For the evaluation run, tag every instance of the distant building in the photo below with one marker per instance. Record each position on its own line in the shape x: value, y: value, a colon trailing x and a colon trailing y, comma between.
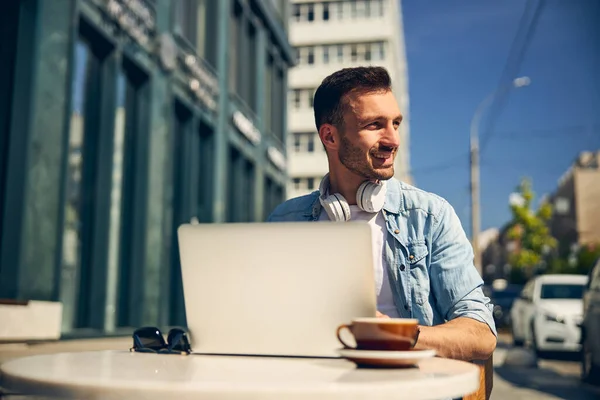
x: 119, y: 121
x: 576, y: 201
x: 328, y: 36
x: 496, y: 253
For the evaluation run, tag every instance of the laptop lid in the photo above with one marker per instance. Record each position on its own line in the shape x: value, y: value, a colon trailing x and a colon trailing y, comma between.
x: 275, y: 288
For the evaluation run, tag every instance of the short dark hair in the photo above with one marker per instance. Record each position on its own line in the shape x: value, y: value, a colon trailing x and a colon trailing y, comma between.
x: 328, y: 103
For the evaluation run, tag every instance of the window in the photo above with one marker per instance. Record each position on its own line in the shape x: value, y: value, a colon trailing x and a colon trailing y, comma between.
x: 311, y: 143
x: 360, y: 8
x: 78, y: 174
x: 380, y: 49
x: 195, y: 21
x: 310, y: 183
x: 368, y: 52
x: 354, y: 9
x: 234, y: 47
x: 277, y: 105
x: 240, y: 207
x: 367, y: 8
x: 249, y: 67
x: 310, y: 56
x: 243, y: 57
x: 561, y: 291
x: 296, y: 12
x: 311, y: 98
x: 340, y: 53
x: 311, y: 12
x: 378, y: 8
x: 353, y: 52
x: 128, y: 137
x: 325, y: 11
x: 272, y: 196
x: 205, y: 173
x: 304, y: 142
x: 103, y: 183
x: 186, y: 20
x: 339, y: 10
x: 297, y: 98
x: 325, y: 54
x: 268, y: 93
x: 296, y: 183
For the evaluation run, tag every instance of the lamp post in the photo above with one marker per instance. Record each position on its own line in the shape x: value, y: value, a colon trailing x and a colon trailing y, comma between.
x: 474, y: 151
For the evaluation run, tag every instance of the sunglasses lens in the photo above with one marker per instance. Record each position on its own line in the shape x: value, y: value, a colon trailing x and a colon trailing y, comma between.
x: 178, y: 340
x: 148, y: 337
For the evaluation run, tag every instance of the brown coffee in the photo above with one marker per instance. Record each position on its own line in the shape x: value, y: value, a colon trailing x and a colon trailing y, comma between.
x: 382, y: 333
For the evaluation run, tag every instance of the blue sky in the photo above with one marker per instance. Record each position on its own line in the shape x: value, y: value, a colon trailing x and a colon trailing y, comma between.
x: 456, y: 52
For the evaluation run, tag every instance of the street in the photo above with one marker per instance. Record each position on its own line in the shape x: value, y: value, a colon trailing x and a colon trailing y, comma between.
x: 556, y: 376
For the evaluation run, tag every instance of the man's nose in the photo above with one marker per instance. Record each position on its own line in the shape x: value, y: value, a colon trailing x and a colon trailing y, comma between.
x: 391, y: 137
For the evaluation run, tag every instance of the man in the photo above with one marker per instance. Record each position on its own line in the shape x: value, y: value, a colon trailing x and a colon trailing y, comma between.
x: 423, y: 259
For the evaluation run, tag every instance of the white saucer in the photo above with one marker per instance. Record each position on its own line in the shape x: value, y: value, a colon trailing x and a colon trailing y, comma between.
x: 387, y: 358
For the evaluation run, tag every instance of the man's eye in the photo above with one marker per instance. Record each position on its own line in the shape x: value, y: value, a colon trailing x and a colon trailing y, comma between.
x: 373, y: 125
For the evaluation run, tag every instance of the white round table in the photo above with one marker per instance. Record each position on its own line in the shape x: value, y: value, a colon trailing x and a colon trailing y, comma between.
x: 121, y: 374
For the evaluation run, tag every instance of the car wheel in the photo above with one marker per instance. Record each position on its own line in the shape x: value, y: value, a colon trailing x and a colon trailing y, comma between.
x: 590, y: 371
x: 516, y: 340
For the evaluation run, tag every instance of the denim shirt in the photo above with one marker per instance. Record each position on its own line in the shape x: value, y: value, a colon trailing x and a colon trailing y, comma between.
x: 429, y: 258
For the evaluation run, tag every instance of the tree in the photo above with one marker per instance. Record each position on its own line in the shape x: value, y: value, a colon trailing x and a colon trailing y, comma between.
x: 530, y: 233
x: 586, y: 257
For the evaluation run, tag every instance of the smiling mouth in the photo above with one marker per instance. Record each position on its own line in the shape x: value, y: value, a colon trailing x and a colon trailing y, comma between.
x: 382, y: 156
x: 383, y: 153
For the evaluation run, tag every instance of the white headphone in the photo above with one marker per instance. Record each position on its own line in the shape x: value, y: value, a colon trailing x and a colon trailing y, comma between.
x: 370, y: 197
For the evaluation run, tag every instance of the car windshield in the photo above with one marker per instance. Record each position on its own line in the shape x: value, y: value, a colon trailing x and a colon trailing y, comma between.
x: 561, y: 291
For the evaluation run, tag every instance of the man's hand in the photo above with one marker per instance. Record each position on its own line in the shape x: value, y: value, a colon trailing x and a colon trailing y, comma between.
x: 380, y: 315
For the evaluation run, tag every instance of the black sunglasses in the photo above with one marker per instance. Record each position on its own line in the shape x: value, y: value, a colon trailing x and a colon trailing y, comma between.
x: 150, y: 340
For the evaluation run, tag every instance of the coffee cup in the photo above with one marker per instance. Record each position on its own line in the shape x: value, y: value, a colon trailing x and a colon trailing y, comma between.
x: 396, y: 334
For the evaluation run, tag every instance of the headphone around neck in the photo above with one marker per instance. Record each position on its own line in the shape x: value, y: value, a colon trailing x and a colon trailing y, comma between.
x: 370, y: 197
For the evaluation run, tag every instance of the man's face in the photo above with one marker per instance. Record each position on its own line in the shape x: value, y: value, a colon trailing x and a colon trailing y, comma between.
x: 369, y: 139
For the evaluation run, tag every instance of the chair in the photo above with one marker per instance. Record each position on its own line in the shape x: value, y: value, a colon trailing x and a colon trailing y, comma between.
x: 486, y: 380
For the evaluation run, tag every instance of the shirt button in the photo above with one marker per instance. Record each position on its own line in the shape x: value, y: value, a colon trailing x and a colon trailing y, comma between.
x: 402, y: 267
x: 411, y: 257
x: 397, y: 231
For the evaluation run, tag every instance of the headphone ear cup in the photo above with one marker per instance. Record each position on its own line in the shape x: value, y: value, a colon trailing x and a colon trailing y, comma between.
x: 370, y: 196
x: 336, y: 207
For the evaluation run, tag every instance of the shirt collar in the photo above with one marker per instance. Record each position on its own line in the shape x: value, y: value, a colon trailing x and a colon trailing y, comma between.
x: 393, y: 201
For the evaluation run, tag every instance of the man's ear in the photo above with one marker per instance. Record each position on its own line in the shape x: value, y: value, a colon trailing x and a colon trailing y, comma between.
x: 329, y: 136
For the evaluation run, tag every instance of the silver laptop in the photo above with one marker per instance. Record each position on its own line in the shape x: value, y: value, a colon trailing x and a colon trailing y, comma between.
x: 275, y: 288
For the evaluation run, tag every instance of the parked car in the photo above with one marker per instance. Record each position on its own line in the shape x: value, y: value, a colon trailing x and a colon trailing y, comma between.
x: 503, y: 299
x: 548, y: 313
x: 590, y: 328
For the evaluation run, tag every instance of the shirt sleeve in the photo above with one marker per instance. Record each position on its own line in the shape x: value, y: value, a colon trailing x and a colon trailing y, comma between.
x: 456, y: 284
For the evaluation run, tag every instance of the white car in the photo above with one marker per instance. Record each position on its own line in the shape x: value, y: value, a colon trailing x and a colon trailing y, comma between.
x: 548, y: 314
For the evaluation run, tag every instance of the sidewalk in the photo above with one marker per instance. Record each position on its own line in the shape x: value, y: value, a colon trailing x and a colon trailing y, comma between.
x: 11, y: 351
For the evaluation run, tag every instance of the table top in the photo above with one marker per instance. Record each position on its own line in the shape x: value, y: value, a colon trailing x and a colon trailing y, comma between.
x: 121, y: 374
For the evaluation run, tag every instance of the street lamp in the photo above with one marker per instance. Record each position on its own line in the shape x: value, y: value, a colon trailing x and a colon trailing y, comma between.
x: 474, y: 150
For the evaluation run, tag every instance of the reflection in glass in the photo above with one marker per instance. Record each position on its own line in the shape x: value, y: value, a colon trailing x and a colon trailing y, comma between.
x: 115, y: 198
x: 72, y: 232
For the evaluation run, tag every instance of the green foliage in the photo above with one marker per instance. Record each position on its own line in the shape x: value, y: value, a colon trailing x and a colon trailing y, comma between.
x: 529, y: 229
x: 586, y: 257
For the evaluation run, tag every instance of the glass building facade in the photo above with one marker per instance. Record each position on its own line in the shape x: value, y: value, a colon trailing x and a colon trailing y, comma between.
x: 120, y: 120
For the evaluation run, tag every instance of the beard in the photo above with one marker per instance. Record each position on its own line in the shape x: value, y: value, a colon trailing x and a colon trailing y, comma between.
x: 355, y: 160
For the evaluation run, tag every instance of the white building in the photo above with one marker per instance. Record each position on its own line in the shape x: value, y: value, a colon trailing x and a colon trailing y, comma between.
x: 330, y: 35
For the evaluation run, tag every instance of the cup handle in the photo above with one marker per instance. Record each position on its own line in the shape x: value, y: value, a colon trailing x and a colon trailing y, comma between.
x: 339, y: 329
